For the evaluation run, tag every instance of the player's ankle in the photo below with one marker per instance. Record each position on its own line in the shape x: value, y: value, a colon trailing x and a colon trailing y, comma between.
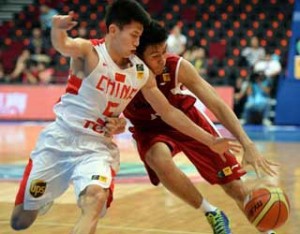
x: 206, y: 206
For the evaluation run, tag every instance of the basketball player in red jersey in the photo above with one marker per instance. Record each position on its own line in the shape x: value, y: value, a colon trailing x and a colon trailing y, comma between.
x: 76, y: 147
x: 157, y: 141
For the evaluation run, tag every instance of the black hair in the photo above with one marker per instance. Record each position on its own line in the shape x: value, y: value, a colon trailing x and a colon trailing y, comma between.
x: 153, y: 34
x: 123, y: 12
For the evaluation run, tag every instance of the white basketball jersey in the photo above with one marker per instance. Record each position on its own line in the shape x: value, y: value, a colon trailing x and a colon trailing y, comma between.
x: 103, y: 93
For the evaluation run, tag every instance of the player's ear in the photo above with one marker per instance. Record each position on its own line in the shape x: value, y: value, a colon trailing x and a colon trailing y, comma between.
x: 112, y: 28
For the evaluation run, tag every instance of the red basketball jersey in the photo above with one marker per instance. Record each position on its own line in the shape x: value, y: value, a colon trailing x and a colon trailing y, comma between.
x: 139, y: 110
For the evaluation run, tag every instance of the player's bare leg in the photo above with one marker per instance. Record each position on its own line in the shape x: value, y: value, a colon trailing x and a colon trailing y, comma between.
x: 160, y: 160
x: 91, y: 202
x: 238, y: 191
x: 22, y: 219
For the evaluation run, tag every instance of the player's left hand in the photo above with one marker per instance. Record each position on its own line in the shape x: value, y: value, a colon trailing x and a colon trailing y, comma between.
x: 257, y: 161
x: 114, y: 125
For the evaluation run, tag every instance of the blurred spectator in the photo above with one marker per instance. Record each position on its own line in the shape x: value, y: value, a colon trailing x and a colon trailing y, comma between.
x: 82, y: 32
x: 31, y: 69
x: 45, y: 74
x: 37, y: 73
x: 188, y: 54
x: 298, y: 47
x: 16, y: 75
x: 37, y: 42
x: 256, y: 110
x: 30, y: 74
x: 253, y: 53
x: 46, y: 17
x: 270, y: 66
x: 176, y: 41
x: 200, y: 62
x: 2, y: 74
x: 240, y: 95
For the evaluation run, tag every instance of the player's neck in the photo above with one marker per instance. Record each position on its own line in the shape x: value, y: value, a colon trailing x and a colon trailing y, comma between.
x: 121, y: 62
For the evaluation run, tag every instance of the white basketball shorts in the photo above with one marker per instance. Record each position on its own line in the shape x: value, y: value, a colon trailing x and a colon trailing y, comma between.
x: 61, y: 157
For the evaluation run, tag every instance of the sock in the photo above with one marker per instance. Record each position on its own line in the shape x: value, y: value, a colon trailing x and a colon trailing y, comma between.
x: 206, y: 206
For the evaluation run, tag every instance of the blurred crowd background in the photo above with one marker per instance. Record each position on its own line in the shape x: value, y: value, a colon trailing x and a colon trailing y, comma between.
x: 237, y: 43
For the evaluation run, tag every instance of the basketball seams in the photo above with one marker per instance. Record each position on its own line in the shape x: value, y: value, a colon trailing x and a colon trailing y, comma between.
x: 279, y: 209
x: 266, y: 192
x: 265, y: 208
x: 266, y: 213
x: 276, y: 203
x: 272, y: 208
x: 285, y: 200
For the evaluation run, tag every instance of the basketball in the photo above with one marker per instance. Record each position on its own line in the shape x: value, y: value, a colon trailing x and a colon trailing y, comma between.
x: 267, y: 208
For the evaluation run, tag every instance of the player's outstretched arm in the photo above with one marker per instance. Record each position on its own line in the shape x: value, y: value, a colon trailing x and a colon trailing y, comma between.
x: 67, y: 46
x: 181, y: 122
x: 189, y: 77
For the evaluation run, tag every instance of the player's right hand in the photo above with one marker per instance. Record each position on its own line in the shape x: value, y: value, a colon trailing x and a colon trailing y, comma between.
x: 254, y: 158
x: 64, y: 22
x: 225, y: 145
x: 114, y: 125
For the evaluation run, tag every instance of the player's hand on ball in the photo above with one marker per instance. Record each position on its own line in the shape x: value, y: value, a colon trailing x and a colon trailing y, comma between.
x: 223, y: 145
x: 114, y: 125
x: 257, y: 161
x: 65, y: 22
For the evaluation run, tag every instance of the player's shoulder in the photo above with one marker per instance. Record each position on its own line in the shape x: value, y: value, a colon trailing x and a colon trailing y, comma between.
x: 97, y: 42
x: 173, y: 59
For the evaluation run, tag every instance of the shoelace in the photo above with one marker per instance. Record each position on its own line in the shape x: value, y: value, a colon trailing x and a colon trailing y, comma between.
x: 217, y: 223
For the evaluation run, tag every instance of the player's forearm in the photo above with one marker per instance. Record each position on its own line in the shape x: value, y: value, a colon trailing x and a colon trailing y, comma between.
x: 182, y: 123
x: 229, y: 120
x: 60, y: 40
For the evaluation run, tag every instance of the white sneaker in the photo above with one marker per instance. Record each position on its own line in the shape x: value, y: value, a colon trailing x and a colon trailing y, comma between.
x: 269, y: 232
x: 45, y: 208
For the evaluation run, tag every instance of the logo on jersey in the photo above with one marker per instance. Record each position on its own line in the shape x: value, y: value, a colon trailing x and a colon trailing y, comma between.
x: 154, y: 116
x: 140, y: 71
x: 165, y: 77
x: 100, y: 178
x: 225, y: 172
x: 37, y: 188
x: 120, y: 77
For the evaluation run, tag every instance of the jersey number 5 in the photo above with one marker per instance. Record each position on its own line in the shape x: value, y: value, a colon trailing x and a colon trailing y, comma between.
x: 110, y: 108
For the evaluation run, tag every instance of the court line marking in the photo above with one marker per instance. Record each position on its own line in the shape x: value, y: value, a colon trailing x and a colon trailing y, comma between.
x: 115, y: 228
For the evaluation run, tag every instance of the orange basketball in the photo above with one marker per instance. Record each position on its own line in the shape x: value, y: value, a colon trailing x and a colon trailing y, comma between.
x: 267, y: 208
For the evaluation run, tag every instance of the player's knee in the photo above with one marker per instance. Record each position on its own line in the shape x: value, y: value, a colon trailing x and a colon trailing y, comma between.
x: 157, y: 160
x: 93, y: 200
x: 161, y: 165
x: 151, y: 160
x: 158, y: 155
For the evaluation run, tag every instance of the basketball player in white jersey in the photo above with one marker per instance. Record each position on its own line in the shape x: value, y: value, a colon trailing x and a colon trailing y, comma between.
x: 104, y: 76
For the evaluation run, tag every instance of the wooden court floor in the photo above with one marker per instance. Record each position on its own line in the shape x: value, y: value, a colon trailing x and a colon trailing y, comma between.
x: 139, y: 207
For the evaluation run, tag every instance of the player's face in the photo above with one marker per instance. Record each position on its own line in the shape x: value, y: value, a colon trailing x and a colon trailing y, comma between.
x: 155, y: 57
x: 127, y: 39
